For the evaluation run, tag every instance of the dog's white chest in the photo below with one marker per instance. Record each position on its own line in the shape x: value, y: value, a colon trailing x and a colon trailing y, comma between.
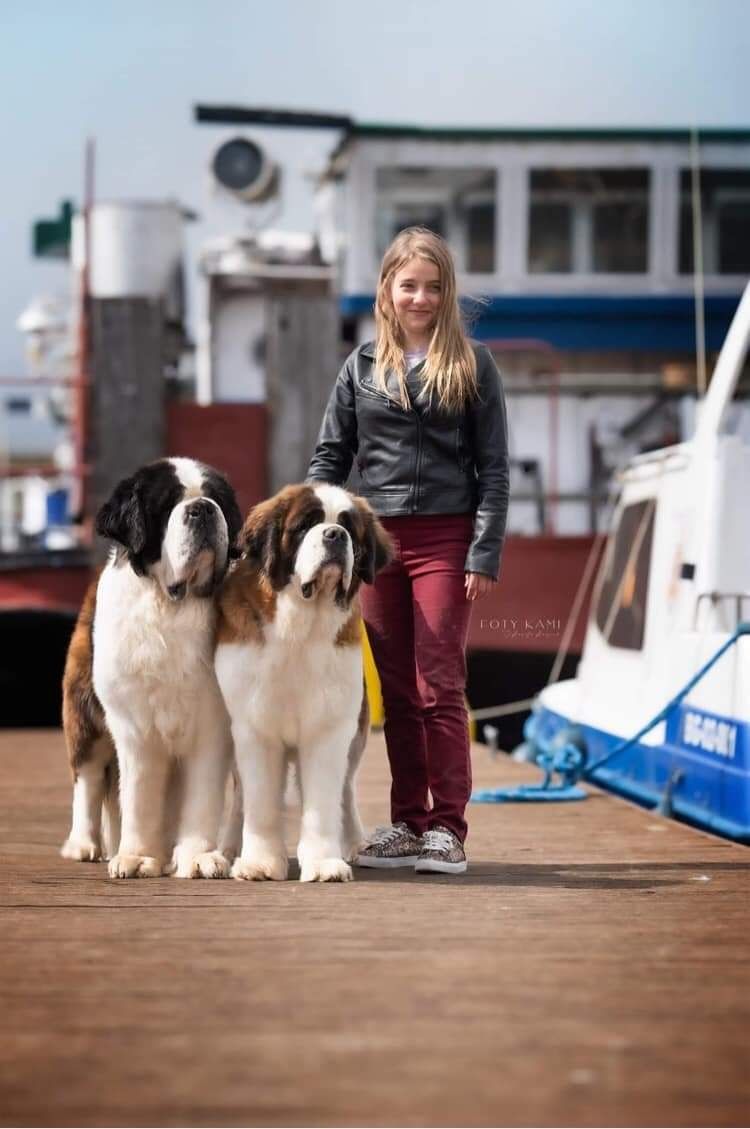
x: 294, y: 683
x: 150, y: 657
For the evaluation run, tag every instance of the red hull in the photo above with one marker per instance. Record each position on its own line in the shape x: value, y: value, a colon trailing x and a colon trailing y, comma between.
x: 527, y: 611
x: 530, y: 606
x: 44, y: 585
x: 231, y: 437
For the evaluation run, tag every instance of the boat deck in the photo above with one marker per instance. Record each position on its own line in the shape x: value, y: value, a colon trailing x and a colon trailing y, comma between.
x: 590, y: 969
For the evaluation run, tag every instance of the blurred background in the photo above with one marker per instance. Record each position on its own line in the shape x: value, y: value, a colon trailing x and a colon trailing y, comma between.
x: 195, y: 200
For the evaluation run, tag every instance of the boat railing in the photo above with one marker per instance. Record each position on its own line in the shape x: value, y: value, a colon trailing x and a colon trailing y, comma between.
x: 718, y: 599
x: 658, y: 462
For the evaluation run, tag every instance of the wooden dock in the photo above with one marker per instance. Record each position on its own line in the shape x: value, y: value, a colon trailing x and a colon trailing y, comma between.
x: 590, y: 969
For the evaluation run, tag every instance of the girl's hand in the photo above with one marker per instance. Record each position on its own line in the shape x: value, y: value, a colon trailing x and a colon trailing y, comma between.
x: 478, y: 585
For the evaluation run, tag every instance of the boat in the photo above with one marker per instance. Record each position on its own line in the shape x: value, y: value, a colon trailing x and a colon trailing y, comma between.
x: 659, y: 708
x: 579, y: 246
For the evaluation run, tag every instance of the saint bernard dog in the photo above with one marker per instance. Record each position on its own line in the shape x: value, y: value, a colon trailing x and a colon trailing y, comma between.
x: 289, y: 664
x: 139, y: 679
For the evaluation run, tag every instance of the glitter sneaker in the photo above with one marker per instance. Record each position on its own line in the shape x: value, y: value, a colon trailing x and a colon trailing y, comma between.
x: 389, y: 847
x: 441, y: 852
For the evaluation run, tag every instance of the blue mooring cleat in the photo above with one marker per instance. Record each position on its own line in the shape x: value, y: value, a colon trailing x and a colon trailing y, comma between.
x: 565, y: 756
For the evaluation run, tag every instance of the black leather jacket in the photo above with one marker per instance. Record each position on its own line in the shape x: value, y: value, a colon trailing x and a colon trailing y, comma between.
x: 424, y: 460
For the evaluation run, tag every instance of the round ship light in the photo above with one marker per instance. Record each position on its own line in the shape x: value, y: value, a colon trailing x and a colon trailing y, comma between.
x: 242, y: 167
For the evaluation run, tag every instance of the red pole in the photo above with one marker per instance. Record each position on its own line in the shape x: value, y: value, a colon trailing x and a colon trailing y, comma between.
x: 554, y: 435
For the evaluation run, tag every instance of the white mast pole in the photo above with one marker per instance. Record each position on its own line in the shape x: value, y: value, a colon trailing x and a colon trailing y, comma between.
x: 713, y: 407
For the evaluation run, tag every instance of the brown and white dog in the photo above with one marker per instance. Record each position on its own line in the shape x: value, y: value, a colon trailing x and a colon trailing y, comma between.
x: 140, y: 680
x: 289, y: 664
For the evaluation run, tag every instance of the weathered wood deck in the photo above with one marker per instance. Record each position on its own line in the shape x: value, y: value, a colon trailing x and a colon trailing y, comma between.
x: 590, y: 969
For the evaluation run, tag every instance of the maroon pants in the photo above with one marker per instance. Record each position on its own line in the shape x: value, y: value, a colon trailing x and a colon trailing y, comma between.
x: 417, y: 618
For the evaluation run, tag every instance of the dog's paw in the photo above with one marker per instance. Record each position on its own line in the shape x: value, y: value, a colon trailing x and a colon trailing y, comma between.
x: 205, y: 864
x: 135, y: 866
x: 325, y: 870
x: 260, y: 867
x: 82, y: 850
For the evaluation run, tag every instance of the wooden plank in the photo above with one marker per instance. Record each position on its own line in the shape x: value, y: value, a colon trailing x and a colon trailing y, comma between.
x: 302, y: 361
x: 590, y: 969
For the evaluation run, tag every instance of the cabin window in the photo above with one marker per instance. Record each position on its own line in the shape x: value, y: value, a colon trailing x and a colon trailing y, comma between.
x: 457, y: 203
x: 400, y: 214
x: 725, y: 211
x: 550, y: 237
x: 623, y: 592
x: 620, y: 237
x: 588, y: 221
x: 480, y: 236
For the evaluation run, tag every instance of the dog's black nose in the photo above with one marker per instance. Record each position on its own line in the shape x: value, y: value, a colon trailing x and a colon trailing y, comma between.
x: 199, y: 511
x: 335, y: 534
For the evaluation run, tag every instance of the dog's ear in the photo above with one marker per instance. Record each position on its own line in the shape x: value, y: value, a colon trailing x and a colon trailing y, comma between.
x: 376, y: 549
x: 234, y: 526
x: 260, y: 540
x: 122, y: 518
x: 220, y: 490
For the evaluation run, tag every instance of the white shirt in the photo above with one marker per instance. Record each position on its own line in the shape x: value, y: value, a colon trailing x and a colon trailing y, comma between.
x: 414, y: 358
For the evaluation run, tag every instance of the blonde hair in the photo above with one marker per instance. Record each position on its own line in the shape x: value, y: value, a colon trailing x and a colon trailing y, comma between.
x: 450, y: 368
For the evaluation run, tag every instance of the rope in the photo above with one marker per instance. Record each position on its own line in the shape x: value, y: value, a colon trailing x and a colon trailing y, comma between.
x: 575, y: 611
x: 509, y: 708
x: 742, y: 629
x: 501, y: 711
x: 568, y: 761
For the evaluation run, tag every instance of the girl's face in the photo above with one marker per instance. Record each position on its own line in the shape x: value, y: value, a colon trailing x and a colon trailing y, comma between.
x: 416, y: 295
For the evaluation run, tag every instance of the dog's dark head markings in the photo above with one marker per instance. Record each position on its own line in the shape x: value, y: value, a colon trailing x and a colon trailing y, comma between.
x: 177, y: 521
x: 317, y: 538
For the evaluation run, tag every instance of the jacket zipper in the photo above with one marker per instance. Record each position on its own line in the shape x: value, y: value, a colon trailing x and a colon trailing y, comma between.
x: 418, y: 467
x: 417, y: 474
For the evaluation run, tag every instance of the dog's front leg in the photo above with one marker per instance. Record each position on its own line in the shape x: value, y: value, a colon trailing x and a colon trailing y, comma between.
x: 323, y: 761
x: 205, y: 770
x: 144, y: 768
x: 262, y: 764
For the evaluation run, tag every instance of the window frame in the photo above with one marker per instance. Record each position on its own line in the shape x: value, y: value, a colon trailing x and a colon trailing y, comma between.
x: 451, y: 201
x: 626, y: 629
x: 582, y: 205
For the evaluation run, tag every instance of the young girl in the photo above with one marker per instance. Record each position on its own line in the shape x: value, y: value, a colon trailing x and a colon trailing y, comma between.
x: 422, y: 409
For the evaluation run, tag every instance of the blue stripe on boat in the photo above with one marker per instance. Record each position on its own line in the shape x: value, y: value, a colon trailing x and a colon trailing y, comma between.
x: 634, y: 322
x: 714, y: 791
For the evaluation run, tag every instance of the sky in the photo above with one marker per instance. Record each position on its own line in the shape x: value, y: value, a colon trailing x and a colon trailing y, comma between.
x: 129, y: 73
